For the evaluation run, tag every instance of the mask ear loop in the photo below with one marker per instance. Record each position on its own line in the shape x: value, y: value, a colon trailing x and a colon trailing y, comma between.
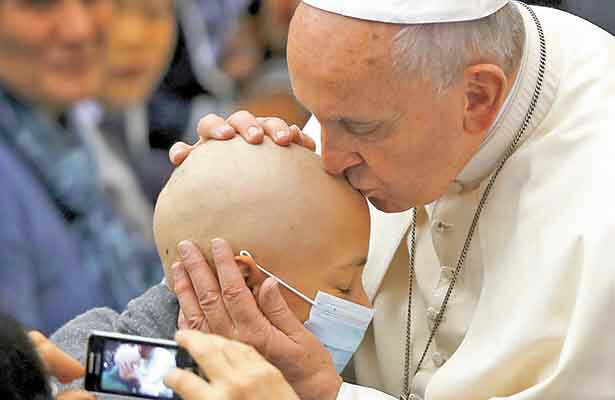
x: 246, y: 253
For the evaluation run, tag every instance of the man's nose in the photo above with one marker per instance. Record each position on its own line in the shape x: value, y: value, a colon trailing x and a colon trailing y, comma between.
x: 337, y: 155
x: 76, y: 22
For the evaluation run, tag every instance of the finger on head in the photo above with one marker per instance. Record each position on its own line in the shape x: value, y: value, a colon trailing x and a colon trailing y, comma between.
x: 206, y: 350
x: 303, y: 139
x: 75, y: 395
x: 246, y: 124
x: 237, y: 297
x: 308, y: 142
x: 188, y: 385
x: 277, y: 130
x: 191, y: 257
x: 179, y: 152
x: 200, y: 325
x: 213, y: 126
x: 205, y: 292
x: 186, y: 296
x: 182, y: 322
x: 295, y: 135
x: 276, y: 310
x: 199, y: 272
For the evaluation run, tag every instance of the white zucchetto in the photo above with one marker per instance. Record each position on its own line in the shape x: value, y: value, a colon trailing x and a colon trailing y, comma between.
x: 411, y: 11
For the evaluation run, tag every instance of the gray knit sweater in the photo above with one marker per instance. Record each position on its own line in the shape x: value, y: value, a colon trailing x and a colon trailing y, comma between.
x: 153, y: 314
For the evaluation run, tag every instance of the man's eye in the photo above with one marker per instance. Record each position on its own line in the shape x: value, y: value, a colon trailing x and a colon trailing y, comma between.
x: 345, y: 291
x: 361, y: 130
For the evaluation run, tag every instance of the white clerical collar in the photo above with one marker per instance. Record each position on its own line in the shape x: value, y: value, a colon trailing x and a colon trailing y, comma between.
x: 514, y: 110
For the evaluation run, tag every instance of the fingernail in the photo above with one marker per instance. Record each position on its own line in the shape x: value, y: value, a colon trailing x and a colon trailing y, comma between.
x: 282, y: 135
x: 173, y: 153
x: 184, y: 248
x: 253, y: 131
x: 273, y: 292
x: 222, y: 130
x: 217, y: 244
x: 175, y: 269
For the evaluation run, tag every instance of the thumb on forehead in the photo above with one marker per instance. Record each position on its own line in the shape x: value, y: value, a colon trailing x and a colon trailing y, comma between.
x: 275, y: 308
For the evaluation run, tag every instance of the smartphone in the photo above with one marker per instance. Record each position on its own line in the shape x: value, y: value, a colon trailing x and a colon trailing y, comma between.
x: 128, y: 367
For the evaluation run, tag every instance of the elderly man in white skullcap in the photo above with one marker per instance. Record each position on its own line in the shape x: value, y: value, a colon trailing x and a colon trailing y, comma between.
x: 482, y: 132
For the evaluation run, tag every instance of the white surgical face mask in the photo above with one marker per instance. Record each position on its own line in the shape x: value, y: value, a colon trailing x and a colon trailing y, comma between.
x: 339, y: 324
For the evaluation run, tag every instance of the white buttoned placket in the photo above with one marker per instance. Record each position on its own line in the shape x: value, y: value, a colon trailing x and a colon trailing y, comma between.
x: 452, y: 216
x: 448, y: 224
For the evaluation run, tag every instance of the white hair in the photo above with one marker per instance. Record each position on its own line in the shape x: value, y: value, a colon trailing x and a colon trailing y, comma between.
x: 441, y: 52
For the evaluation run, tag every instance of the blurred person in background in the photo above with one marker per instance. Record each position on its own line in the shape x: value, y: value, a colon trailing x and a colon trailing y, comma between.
x: 142, y: 36
x: 63, y: 247
x: 243, y: 52
x: 270, y: 93
x: 194, y: 85
x: 223, y: 49
x: 254, y: 57
x: 276, y: 16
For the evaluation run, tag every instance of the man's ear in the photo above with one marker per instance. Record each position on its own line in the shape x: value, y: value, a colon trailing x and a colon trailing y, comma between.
x: 253, y: 276
x: 485, y: 90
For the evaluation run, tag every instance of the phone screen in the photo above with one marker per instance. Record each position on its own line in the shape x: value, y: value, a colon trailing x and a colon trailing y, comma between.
x: 136, y: 368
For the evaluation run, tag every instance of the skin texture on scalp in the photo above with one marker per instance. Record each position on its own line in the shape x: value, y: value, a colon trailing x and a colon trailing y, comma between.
x: 305, y: 226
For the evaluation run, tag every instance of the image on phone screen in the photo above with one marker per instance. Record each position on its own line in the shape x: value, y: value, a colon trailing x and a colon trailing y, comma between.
x: 136, y: 369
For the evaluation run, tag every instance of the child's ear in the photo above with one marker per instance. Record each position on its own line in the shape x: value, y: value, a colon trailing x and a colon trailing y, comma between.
x: 253, y: 276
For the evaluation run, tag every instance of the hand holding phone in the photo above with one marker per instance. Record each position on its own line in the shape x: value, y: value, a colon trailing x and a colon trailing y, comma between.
x: 236, y: 370
x: 59, y: 365
x: 126, y: 366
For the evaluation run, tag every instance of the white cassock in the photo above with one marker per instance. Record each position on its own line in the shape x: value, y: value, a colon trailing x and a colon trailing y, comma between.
x: 532, y: 314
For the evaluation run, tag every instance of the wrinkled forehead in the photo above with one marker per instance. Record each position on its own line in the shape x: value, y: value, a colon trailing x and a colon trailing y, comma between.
x: 334, y: 37
x: 335, y: 60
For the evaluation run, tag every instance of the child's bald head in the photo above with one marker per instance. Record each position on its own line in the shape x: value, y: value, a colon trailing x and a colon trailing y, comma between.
x: 307, y: 227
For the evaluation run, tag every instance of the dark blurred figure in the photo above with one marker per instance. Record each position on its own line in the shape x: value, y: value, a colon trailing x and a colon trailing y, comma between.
x: 254, y: 56
x: 598, y: 12
x: 194, y: 85
x: 22, y: 376
x: 225, y: 49
x: 63, y: 247
x: 545, y: 3
x: 275, y: 19
x: 29, y: 362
